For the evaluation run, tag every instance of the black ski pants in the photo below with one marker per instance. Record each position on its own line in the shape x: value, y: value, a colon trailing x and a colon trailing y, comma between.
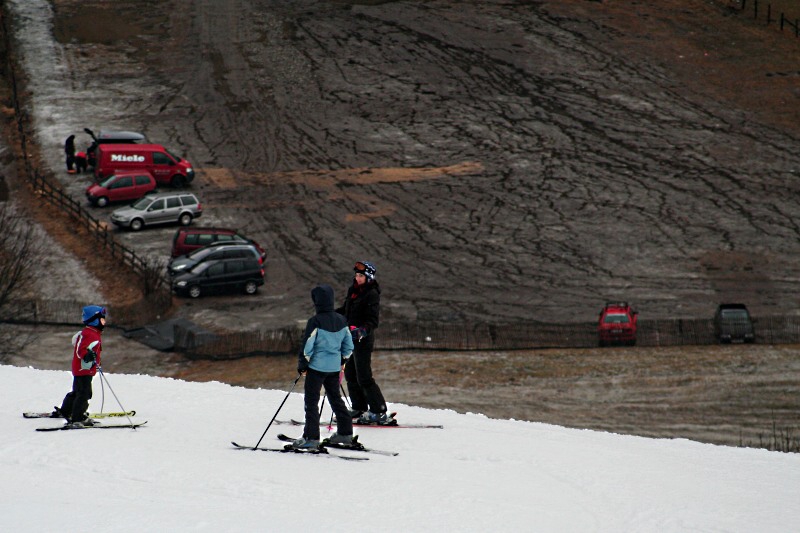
x: 76, y: 402
x: 315, y: 381
x: 365, y: 394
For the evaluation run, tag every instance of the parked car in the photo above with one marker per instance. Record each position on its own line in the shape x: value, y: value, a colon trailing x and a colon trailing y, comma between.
x: 109, y: 137
x: 220, y: 275
x: 617, y: 324
x: 124, y: 186
x: 187, y: 240
x: 162, y: 208
x: 166, y: 167
x: 216, y: 250
x: 732, y: 323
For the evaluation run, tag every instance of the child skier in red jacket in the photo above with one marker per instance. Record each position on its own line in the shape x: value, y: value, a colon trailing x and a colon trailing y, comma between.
x: 86, y: 348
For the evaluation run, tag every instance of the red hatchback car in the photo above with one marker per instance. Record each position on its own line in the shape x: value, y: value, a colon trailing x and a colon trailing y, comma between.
x: 123, y: 186
x: 617, y: 324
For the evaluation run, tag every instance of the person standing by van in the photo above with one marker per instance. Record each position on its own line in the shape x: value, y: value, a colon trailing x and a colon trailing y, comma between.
x: 362, y: 309
x: 69, y: 150
x: 86, y: 348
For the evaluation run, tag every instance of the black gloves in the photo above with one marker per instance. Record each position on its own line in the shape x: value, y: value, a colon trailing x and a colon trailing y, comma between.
x: 358, y: 334
x: 90, y: 356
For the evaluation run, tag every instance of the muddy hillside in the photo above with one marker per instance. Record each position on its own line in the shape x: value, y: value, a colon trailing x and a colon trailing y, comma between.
x: 498, y: 161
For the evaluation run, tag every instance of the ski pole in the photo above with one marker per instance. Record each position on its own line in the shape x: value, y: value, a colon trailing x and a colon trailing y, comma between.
x: 344, y: 395
x: 103, y: 391
x: 299, y: 375
x: 104, y: 378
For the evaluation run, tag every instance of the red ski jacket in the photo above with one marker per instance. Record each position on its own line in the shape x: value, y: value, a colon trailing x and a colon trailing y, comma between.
x: 88, y: 337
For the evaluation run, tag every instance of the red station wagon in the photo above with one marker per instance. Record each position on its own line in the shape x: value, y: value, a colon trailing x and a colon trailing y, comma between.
x: 617, y: 324
x: 124, y: 186
x: 187, y: 240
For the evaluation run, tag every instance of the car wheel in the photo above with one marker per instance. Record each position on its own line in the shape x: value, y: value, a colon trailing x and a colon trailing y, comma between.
x: 250, y: 287
x: 185, y: 219
x: 194, y: 291
x: 177, y: 181
x: 137, y: 224
x: 102, y: 201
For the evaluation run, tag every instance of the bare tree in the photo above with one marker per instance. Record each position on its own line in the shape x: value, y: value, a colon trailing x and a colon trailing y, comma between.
x: 18, y: 252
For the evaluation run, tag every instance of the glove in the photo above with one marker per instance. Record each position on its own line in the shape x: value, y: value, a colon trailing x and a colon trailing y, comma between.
x: 302, y: 368
x: 90, y: 356
x: 358, y: 334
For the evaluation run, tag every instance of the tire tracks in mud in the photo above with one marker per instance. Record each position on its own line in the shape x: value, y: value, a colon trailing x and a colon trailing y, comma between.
x: 601, y: 176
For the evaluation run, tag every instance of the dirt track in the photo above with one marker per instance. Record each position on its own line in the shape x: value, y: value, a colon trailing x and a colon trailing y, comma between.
x: 499, y: 161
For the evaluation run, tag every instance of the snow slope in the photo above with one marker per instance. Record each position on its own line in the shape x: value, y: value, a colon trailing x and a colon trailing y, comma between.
x: 180, y: 472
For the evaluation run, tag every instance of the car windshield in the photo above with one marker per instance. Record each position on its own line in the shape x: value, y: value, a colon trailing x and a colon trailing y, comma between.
x: 734, y: 314
x: 142, y: 203
x: 200, y: 253
x: 616, y: 318
x: 175, y: 157
x: 201, y: 267
x: 106, y: 182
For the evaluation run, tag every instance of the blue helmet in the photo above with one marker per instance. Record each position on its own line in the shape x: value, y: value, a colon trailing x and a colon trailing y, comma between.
x: 92, y: 315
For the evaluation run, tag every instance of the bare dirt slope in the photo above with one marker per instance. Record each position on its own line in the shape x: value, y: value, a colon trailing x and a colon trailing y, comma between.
x: 498, y: 160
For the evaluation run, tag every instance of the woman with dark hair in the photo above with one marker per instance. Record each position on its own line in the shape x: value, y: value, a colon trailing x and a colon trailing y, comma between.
x: 362, y: 309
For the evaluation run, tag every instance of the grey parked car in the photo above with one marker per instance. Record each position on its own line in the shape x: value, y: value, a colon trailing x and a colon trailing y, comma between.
x: 218, y: 250
x: 164, y: 208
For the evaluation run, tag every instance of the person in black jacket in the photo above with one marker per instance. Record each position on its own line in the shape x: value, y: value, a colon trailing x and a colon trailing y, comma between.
x: 69, y: 151
x: 362, y: 308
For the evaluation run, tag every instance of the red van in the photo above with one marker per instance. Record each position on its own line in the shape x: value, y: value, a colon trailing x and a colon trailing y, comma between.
x: 166, y: 167
x: 124, y: 186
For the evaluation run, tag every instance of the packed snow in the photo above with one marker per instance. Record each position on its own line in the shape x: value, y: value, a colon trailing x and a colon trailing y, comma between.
x: 180, y: 472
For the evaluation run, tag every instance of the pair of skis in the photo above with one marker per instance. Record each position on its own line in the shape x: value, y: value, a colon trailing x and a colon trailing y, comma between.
x: 67, y: 426
x: 322, y: 450
x: 113, y: 414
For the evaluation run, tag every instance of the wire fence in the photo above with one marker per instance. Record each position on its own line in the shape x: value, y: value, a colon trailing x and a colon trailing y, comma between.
x: 68, y: 312
x: 528, y: 335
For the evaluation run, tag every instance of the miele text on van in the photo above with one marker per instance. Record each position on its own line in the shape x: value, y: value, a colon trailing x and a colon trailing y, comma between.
x: 166, y: 167
x: 128, y: 158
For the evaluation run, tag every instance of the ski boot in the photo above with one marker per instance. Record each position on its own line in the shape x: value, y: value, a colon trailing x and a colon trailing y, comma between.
x: 306, y: 445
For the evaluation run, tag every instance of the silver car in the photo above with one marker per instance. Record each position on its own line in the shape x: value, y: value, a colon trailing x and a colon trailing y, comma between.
x: 165, y: 208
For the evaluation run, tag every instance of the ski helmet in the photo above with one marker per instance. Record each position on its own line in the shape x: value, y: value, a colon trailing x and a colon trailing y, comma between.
x: 92, y: 315
x: 366, y: 268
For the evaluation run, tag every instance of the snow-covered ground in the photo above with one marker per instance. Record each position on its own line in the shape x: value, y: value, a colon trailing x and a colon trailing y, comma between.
x: 180, y: 473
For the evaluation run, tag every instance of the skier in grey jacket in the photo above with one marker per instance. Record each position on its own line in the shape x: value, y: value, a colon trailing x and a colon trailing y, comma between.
x: 327, y: 344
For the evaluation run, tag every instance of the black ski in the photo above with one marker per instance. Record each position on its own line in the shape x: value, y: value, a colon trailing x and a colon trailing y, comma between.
x: 66, y: 427
x: 356, y: 446
x: 408, y: 426
x: 288, y: 449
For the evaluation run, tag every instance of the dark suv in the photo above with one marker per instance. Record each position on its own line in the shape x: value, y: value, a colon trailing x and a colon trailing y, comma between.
x: 216, y: 250
x: 732, y: 323
x: 617, y: 324
x: 221, y: 275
